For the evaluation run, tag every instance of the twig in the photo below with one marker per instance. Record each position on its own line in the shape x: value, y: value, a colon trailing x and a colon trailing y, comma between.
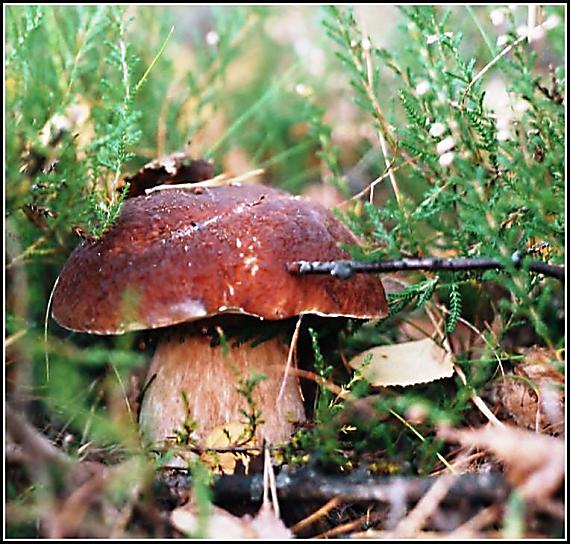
x: 310, y: 485
x: 344, y: 269
x: 344, y: 528
x: 290, y: 358
x: 316, y: 515
x: 389, y: 163
x: 427, y: 505
x: 34, y: 444
x: 475, y: 398
x: 499, y: 56
x: 221, y: 179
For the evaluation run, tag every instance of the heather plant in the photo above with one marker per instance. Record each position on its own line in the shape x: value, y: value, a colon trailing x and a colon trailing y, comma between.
x: 448, y: 140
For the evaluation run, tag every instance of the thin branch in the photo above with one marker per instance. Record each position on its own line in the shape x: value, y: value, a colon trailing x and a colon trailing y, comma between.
x: 311, y: 485
x: 525, y: 36
x: 290, y: 358
x: 34, y: 444
x: 344, y: 269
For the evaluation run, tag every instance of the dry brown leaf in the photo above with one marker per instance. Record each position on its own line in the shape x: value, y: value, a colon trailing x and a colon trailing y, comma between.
x: 533, y: 395
x: 221, y: 525
x: 175, y: 168
x: 535, y: 462
x: 409, y: 363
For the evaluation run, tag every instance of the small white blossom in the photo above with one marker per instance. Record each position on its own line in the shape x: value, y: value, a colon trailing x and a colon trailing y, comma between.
x: 366, y: 45
x: 520, y: 106
x: 502, y: 40
x: 303, y: 90
x: 536, y: 33
x: 552, y: 22
x: 503, y: 122
x: 504, y: 134
x: 447, y: 159
x: 432, y: 38
x: 445, y: 145
x: 212, y: 38
x: 422, y: 88
x: 437, y: 129
x: 497, y: 17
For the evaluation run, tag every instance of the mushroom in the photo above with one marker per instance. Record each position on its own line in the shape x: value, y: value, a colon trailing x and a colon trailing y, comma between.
x: 181, y: 260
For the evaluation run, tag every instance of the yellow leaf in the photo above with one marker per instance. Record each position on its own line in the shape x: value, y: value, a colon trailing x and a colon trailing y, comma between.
x: 226, y: 436
x: 409, y: 363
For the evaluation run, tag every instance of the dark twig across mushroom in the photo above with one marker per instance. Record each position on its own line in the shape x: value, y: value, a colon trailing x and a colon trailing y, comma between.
x: 176, y: 258
x: 345, y: 269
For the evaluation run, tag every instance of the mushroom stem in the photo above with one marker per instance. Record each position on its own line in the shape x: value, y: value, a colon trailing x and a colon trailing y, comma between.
x: 189, y: 380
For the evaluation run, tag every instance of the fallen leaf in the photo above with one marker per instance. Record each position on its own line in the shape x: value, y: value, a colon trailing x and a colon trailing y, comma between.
x: 173, y: 169
x: 409, y: 363
x: 226, y: 436
x: 221, y: 525
x: 535, y: 462
x: 533, y: 394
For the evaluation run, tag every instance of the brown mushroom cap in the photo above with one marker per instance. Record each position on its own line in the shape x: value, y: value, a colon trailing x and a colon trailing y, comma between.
x: 183, y: 254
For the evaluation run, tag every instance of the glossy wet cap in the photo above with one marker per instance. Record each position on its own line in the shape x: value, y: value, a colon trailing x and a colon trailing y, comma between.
x: 183, y: 254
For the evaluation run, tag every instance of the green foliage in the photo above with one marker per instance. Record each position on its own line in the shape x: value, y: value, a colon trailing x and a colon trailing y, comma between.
x: 253, y: 415
x: 462, y: 198
x: 92, y: 93
x: 454, y: 307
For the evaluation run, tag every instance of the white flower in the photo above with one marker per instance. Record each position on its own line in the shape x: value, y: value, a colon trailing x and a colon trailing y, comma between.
x: 497, y: 17
x: 303, y: 90
x: 445, y: 145
x: 536, y: 33
x: 432, y: 38
x: 447, y: 159
x: 422, y: 88
x: 212, y: 38
x: 502, y: 40
x: 504, y: 134
x: 520, y: 106
x: 503, y: 122
x: 366, y: 45
x: 437, y: 129
x: 552, y: 22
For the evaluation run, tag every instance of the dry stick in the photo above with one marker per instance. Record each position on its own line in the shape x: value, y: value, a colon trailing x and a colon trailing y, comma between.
x: 476, y: 523
x: 273, y: 485
x: 33, y: 443
x: 290, y: 358
x: 221, y: 179
x: 485, y: 69
x: 426, y: 506
x: 344, y: 268
x: 316, y: 515
x: 46, y: 324
x: 383, y: 145
x: 344, y: 528
x: 476, y: 399
x: 370, y: 187
x: 125, y: 396
x: 310, y: 485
